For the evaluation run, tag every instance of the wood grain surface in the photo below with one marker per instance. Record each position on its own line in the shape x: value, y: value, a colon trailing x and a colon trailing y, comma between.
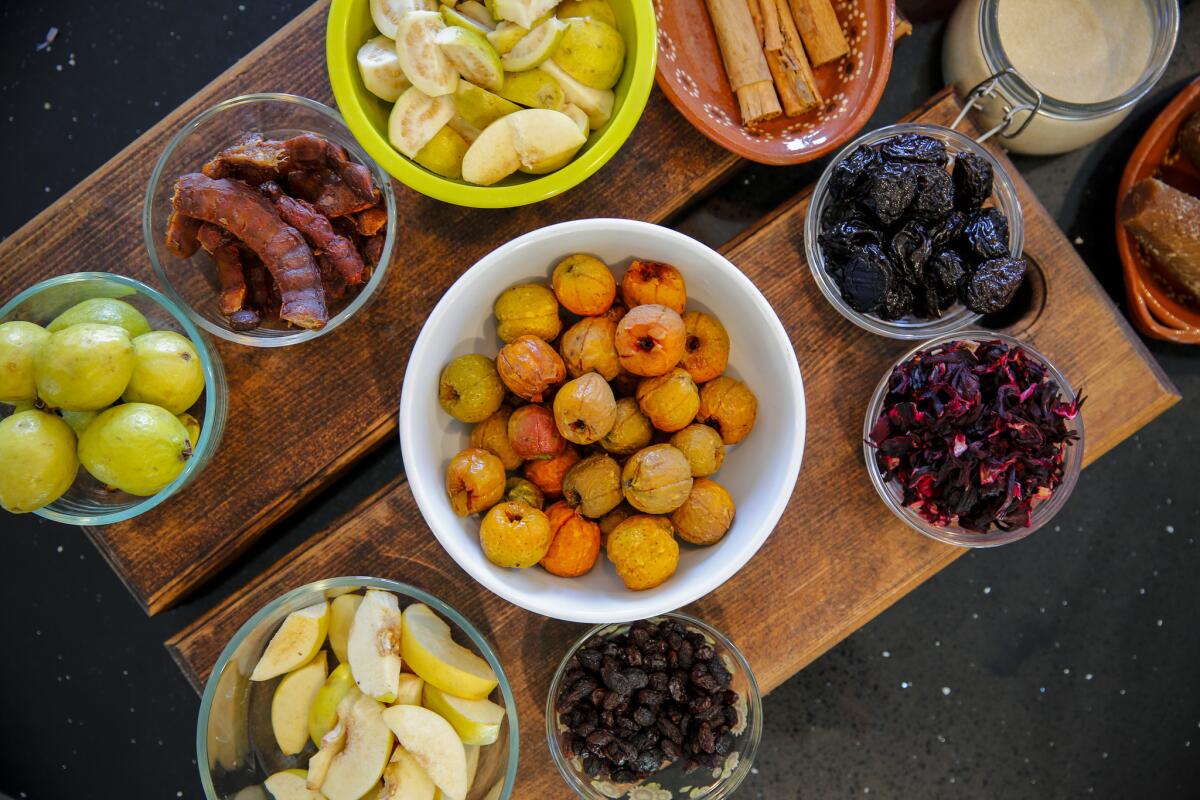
x: 838, y: 557
x: 299, y: 416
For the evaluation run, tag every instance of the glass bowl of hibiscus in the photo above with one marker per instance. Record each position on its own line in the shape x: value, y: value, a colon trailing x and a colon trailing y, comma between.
x: 974, y: 439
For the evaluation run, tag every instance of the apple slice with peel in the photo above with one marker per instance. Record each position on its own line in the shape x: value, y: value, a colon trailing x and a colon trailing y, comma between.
x: 472, y: 55
x: 292, y: 702
x: 422, y: 59
x: 431, y: 652
x: 596, y: 103
x: 545, y: 140
x: 386, y: 14
x: 322, y: 716
x: 416, y: 118
x: 373, y: 649
x: 295, y: 643
x: 523, y: 12
x: 330, y: 745
x: 477, y: 722
x: 341, y: 614
x: 495, y: 792
x: 361, y: 758
x: 472, y: 752
x: 434, y: 744
x: 406, y: 779
x: 412, y: 689
x: 290, y: 785
x: 535, y: 47
x: 491, y: 157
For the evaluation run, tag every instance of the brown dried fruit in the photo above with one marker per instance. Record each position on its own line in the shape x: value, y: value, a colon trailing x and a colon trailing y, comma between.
x: 644, y: 552
x: 705, y: 517
x: 533, y: 434
x: 584, y: 285
x: 515, y: 534
x: 593, y: 485
x: 548, y: 474
x: 657, y: 479
x: 574, y: 544
x: 609, y: 522
x: 631, y: 430
x: 529, y: 308
x: 492, y: 435
x: 529, y: 367
x: 706, y: 349
x: 670, y: 401
x: 730, y: 406
x: 588, y: 346
x: 525, y: 491
x: 650, y: 340
x: 655, y: 283
x: 474, y: 481
x: 585, y: 409
x: 703, y: 448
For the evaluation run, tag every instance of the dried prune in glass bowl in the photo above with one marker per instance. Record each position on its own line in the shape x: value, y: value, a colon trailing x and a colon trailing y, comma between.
x: 915, y: 147
x: 890, y: 191
x: 866, y: 278
x: 949, y: 228
x: 948, y: 270
x: 910, y: 248
x: 972, y: 181
x: 935, y: 193
x: 844, y: 238
x: 850, y: 174
x: 991, y: 287
x: 986, y: 233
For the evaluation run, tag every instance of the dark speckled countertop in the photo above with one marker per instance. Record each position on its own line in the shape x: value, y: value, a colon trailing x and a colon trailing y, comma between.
x: 1064, y: 666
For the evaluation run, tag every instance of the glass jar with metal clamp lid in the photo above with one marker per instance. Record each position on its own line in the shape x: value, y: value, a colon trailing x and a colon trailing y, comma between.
x: 1049, y: 76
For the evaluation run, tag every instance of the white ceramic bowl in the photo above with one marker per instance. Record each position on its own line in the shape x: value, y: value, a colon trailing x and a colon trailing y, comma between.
x: 760, y: 472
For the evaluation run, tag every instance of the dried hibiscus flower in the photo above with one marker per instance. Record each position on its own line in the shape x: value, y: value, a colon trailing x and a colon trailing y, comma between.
x: 975, y: 433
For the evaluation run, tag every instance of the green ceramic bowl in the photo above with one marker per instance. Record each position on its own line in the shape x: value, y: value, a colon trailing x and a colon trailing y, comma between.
x: 366, y: 115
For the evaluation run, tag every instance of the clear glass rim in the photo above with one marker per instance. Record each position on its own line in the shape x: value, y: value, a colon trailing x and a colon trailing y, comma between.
x: 382, y: 179
x: 356, y: 582
x: 213, y: 377
x: 1002, y: 185
x: 998, y: 61
x: 1042, y: 514
x: 753, y: 705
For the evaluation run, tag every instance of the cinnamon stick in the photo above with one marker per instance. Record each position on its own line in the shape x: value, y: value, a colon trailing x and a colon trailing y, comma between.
x: 818, y: 26
x: 745, y: 64
x: 789, y: 66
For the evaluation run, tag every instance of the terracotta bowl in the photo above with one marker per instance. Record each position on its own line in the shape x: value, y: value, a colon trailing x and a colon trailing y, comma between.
x: 692, y: 75
x: 1155, y: 312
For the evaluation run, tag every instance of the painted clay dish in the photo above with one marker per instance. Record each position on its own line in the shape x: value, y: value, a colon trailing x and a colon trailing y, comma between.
x: 692, y: 75
x: 1155, y: 310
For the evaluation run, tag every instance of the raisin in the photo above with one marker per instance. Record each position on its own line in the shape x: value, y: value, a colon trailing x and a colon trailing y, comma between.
x: 866, y: 279
x: 972, y: 181
x: 890, y: 191
x: 935, y: 193
x: 590, y: 659
x: 643, y: 716
x: 671, y: 749
x: 986, y: 233
x: 849, y: 175
x: 915, y: 147
x: 992, y: 285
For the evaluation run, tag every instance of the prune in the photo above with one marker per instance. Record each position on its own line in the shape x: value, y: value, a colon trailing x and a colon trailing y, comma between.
x: 866, y: 279
x: 929, y: 301
x: 992, y: 285
x: 842, y: 239
x: 972, y: 177
x: 890, y: 191
x: 986, y: 233
x: 898, y: 302
x: 947, y: 269
x: 947, y: 229
x: 848, y: 176
x: 910, y: 248
x: 915, y: 147
x: 935, y: 193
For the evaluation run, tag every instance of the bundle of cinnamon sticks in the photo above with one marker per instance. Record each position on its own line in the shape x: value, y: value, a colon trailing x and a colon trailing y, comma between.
x: 770, y: 48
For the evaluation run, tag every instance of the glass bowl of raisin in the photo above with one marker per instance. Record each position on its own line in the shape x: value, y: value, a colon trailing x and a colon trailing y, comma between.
x: 659, y: 708
x: 974, y: 439
x: 914, y: 231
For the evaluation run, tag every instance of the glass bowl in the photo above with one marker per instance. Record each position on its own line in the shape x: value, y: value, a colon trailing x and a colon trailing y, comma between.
x: 1004, y: 197
x: 671, y: 782
x: 235, y: 747
x: 893, y: 496
x: 88, y: 502
x: 192, y: 282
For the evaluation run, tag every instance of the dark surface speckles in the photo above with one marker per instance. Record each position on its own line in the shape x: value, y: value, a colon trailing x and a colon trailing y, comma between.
x: 1070, y: 658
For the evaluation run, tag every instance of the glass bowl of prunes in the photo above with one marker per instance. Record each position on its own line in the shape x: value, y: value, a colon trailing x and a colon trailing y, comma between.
x: 915, y: 231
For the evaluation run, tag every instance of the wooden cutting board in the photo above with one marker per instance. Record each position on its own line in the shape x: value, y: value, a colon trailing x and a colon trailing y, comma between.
x: 836, y: 560
x: 299, y: 416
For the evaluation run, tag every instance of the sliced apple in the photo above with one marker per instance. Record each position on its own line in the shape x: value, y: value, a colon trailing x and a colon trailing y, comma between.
x: 532, y: 88
x: 431, y: 652
x: 472, y: 55
x: 415, y: 120
x: 535, y: 47
x: 523, y: 12
x: 545, y: 140
x: 477, y: 722
x: 295, y: 643
x: 373, y: 650
x: 323, y: 715
x: 292, y: 702
x: 596, y: 103
x: 422, y: 59
x: 290, y: 785
x: 412, y: 689
x: 330, y: 745
x: 386, y: 14
x: 495, y: 792
x: 360, y: 762
x: 379, y: 66
x: 491, y: 157
x: 406, y: 779
x: 472, y: 752
x: 434, y: 744
x: 341, y: 615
